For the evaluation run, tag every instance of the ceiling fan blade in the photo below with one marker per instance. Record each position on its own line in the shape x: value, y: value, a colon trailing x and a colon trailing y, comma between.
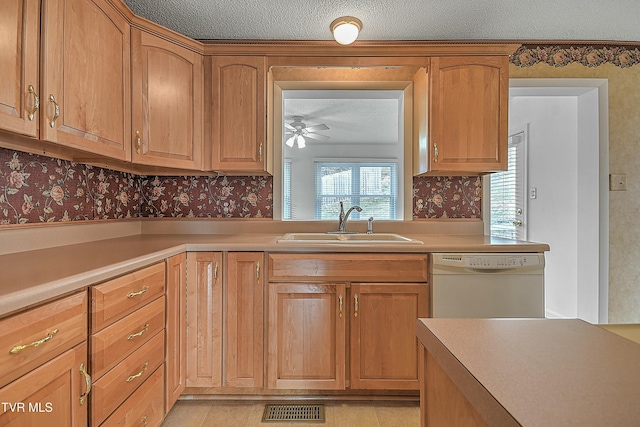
x: 288, y: 126
x: 315, y: 128
x: 316, y: 136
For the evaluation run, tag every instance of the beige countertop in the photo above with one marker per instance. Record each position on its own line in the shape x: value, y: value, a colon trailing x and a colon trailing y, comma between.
x: 32, y: 277
x: 539, y: 372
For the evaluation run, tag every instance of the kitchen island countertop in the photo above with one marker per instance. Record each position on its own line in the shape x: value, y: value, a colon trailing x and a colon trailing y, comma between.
x: 32, y: 277
x: 538, y: 372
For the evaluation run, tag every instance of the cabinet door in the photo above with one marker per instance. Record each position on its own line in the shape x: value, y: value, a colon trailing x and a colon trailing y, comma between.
x: 176, y: 329
x: 384, y: 347
x: 167, y: 90
x: 468, y: 114
x: 85, y: 94
x: 238, y: 87
x: 19, y: 29
x: 306, y: 336
x: 204, y: 319
x: 244, y: 321
x: 52, y: 395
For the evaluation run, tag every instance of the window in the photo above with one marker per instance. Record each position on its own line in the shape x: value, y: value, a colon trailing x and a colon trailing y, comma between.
x: 372, y: 186
x: 508, y: 195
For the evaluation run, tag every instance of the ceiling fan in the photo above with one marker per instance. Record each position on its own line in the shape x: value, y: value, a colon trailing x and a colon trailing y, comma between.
x: 299, y: 131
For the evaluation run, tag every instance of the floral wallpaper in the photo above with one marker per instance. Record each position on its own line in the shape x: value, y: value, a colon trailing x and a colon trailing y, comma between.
x: 38, y: 189
x: 589, y: 56
x: 207, y: 197
x: 447, y: 197
x: 42, y: 189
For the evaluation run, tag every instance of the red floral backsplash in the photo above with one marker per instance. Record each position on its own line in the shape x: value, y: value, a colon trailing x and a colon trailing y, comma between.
x: 447, y: 197
x: 207, y: 197
x: 41, y: 189
x: 37, y: 189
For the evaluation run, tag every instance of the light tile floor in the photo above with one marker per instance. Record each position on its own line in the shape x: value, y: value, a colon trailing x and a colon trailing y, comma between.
x: 249, y: 414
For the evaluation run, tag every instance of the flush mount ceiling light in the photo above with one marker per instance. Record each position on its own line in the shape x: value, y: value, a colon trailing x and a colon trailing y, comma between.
x: 345, y: 29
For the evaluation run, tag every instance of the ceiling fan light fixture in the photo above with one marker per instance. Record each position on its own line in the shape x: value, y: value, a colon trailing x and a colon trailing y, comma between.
x: 290, y: 141
x: 346, y: 29
x: 301, y: 141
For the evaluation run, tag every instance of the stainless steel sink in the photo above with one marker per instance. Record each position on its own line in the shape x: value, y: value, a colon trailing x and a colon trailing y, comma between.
x: 319, y: 238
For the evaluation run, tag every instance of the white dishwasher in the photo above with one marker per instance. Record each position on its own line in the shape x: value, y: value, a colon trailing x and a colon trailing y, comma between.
x: 487, y: 285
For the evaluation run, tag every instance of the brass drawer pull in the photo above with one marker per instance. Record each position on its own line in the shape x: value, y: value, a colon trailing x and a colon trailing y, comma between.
x: 340, y: 303
x: 56, y: 114
x: 258, y: 271
x: 139, y: 374
x: 17, y: 349
x: 87, y: 379
x: 140, y: 292
x: 355, y: 313
x: 138, y: 334
x: 215, y: 273
x: 138, y: 142
x: 435, y: 152
x: 36, y: 103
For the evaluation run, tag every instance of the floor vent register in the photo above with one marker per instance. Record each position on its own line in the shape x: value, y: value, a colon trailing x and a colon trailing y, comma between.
x: 293, y: 413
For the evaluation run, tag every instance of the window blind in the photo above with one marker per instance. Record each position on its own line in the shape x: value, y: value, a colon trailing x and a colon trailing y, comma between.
x: 508, y: 196
x: 372, y: 186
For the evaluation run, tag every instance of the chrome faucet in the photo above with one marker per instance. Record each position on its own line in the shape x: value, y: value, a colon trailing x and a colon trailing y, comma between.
x: 342, y: 219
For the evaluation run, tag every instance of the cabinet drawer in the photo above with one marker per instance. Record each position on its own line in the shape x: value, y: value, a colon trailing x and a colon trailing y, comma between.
x: 35, y: 336
x: 372, y: 267
x: 115, y: 342
x: 112, y: 300
x: 145, y: 407
x: 117, y: 384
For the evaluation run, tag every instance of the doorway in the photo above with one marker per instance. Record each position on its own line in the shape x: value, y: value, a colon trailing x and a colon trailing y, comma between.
x: 567, y: 188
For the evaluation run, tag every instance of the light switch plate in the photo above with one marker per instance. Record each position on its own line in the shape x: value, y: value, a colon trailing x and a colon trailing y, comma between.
x: 618, y: 182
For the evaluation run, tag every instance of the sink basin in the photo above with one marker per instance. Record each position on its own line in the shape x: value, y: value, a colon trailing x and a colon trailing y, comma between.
x: 376, y: 238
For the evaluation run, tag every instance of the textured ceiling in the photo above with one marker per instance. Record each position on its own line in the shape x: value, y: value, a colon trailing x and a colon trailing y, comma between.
x: 614, y: 20
x: 370, y: 117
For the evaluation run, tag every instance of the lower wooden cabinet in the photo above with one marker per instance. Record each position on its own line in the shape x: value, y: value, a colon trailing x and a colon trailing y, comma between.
x: 130, y: 351
x: 204, y: 319
x: 383, y: 343
x: 307, y: 325
x: 176, y: 329
x: 330, y: 329
x: 244, y: 322
x: 52, y: 395
x: 145, y: 407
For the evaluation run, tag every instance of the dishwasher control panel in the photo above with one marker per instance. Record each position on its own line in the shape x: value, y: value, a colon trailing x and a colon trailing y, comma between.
x: 500, y: 261
x: 494, y: 261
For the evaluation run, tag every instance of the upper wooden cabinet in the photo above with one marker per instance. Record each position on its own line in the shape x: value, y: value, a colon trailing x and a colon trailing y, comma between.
x: 167, y: 109
x: 20, y: 28
x: 467, y: 102
x: 238, y: 104
x: 85, y: 93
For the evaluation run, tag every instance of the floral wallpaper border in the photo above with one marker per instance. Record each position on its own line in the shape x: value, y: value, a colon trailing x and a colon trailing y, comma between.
x: 589, y: 56
x: 39, y: 189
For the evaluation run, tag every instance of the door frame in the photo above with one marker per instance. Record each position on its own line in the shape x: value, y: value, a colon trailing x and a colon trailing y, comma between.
x: 593, y: 303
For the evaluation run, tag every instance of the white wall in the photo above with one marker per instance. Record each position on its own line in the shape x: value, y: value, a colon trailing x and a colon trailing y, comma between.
x: 563, y: 166
x: 553, y: 170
